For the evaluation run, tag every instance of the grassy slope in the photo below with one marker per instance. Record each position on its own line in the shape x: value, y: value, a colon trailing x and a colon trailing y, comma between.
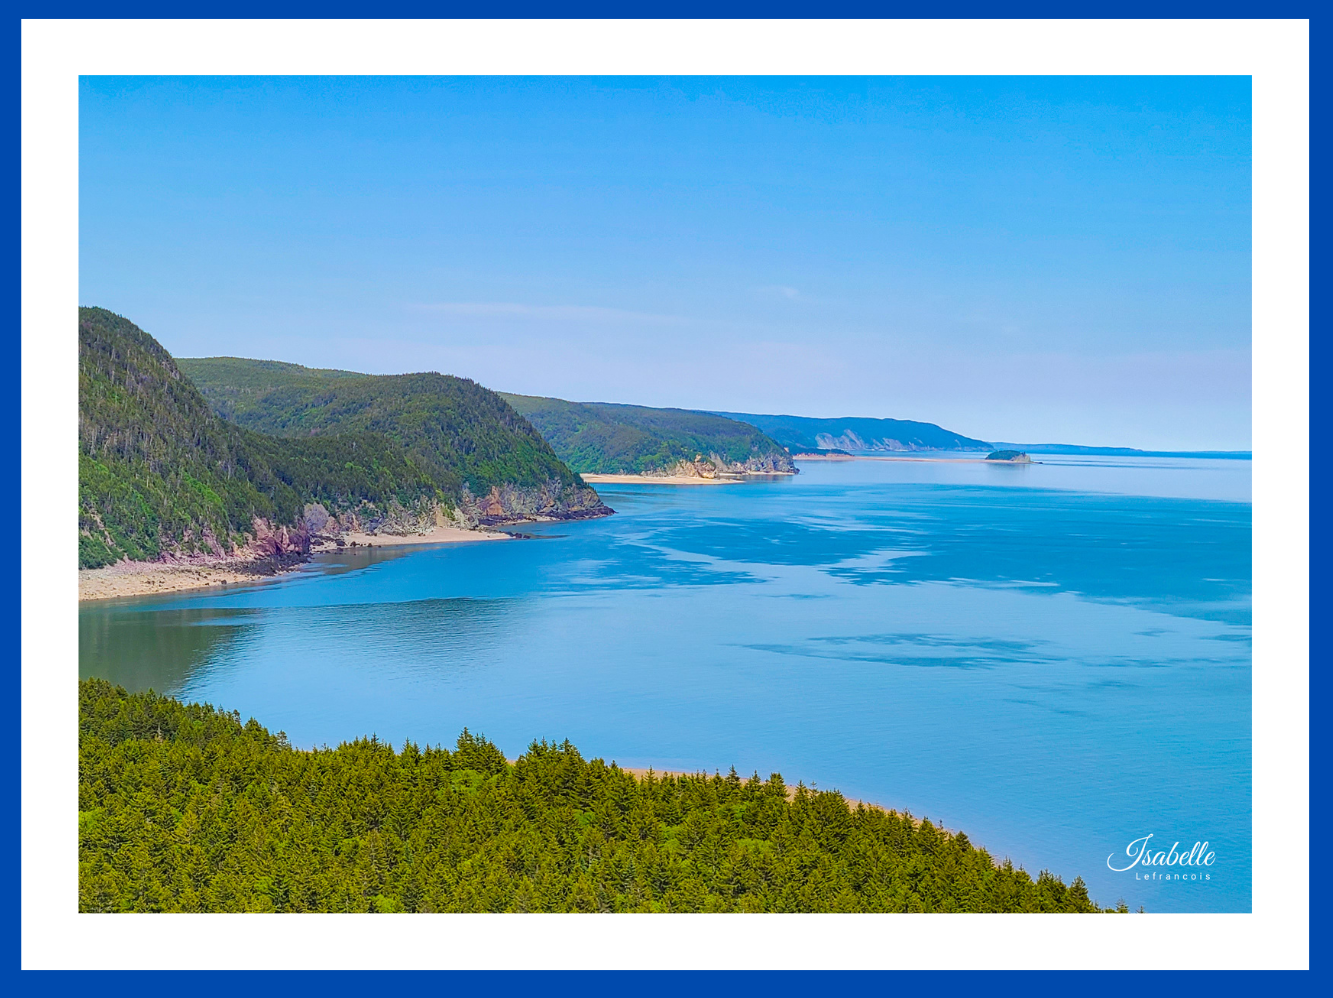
x: 184, y: 808
x: 455, y: 429
x: 799, y: 433
x: 602, y: 437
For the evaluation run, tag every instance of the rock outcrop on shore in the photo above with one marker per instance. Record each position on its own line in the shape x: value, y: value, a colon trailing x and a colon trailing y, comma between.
x: 502, y: 505
x: 513, y: 504
x: 715, y: 466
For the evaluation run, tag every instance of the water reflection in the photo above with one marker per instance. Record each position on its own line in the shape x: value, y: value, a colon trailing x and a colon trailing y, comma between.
x: 171, y: 650
x: 154, y: 649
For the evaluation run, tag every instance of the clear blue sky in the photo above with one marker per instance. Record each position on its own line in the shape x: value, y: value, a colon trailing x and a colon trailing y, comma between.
x: 1030, y: 259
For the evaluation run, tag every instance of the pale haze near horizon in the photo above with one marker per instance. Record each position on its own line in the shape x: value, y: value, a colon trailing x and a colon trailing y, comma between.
x: 1037, y: 260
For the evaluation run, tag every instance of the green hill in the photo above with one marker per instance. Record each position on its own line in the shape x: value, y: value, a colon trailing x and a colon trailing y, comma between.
x: 606, y: 438
x: 433, y: 416
x: 162, y: 475
x: 856, y: 433
x: 460, y: 433
x: 155, y: 466
x: 184, y: 808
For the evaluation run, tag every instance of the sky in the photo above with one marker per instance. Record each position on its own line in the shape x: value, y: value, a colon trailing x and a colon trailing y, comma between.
x: 1023, y: 259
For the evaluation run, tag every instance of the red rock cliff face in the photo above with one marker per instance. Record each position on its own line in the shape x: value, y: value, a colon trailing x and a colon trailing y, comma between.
x: 266, y: 543
x: 715, y: 466
x: 553, y: 501
x: 277, y: 542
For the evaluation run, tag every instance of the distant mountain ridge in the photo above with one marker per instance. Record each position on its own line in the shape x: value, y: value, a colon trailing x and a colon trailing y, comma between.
x: 856, y: 433
x: 611, y: 438
x: 1076, y: 449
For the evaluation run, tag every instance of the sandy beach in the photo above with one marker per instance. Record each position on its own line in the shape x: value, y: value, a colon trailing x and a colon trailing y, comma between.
x: 657, y: 480
x: 440, y: 535
x: 140, y: 578
x: 852, y: 805
x: 151, y: 578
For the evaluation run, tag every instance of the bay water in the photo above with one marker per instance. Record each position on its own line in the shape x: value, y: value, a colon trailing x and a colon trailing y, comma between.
x: 1052, y: 658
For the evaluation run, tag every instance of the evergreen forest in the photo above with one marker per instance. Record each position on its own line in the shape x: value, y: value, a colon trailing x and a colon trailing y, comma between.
x: 454, y: 429
x: 187, y: 808
x: 609, y: 438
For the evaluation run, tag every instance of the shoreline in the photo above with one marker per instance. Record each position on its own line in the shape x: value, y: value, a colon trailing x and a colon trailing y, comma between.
x: 127, y: 579
x: 655, y: 480
x: 927, y: 460
x: 726, y: 479
x: 153, y: 578
x: 640, y: 773
x: 439, y: 535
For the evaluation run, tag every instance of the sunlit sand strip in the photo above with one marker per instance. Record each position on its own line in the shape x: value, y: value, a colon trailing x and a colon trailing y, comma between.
x: 151, y: 578
x: 852, y: 805
x: 440, y: 535
x: 154, y: 578
x: 656, y: 480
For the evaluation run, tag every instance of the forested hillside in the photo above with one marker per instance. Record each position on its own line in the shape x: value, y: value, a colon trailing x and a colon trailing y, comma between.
x: 422, y: 411
x: 154, y: 464
x: 184, y: 808
x: 161, y: 474
x: 460, y: 432
x: 606, y: 438
x: 855, y: 433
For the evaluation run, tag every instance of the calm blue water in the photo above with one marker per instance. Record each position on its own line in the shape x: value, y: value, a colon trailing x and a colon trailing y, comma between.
x: 1054, y: 659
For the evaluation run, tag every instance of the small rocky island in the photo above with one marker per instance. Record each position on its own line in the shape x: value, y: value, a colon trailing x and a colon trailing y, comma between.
x: 1009, y: 456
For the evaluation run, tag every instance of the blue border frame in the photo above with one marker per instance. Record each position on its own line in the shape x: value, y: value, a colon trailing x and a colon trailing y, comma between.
x: 664, y: 983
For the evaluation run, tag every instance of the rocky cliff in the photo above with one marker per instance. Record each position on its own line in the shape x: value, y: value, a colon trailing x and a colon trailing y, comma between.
x: 514, y: 504
x: 503, y: 504
x: 855, y: 433
x: 714, y: 466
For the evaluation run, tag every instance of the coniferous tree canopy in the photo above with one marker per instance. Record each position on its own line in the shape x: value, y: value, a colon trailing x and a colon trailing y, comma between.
x: 457, y: 430
x: 186, y: 808
x: 608, y: 438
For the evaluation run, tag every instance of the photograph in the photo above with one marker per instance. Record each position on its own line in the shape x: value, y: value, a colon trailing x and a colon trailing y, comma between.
x: 664, y: 494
